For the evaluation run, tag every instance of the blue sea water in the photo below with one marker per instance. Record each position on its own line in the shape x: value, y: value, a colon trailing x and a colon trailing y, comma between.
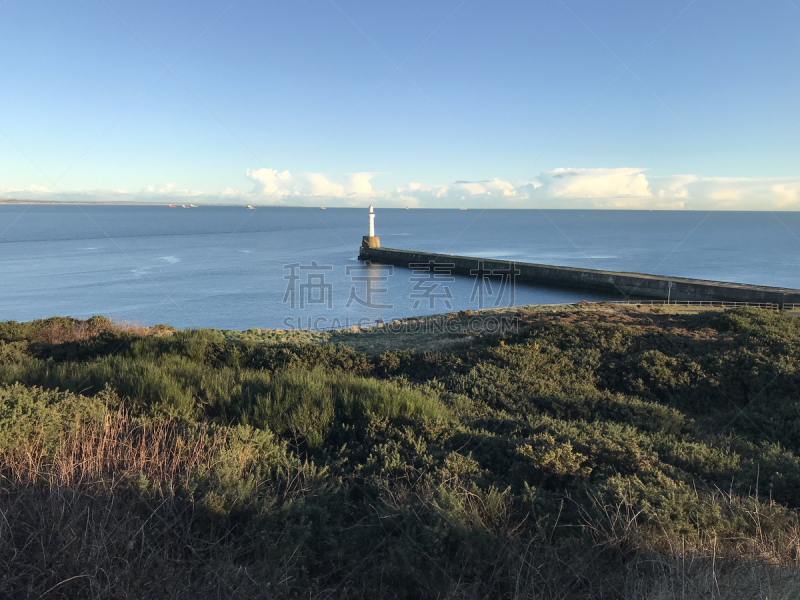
x: 226, y: 267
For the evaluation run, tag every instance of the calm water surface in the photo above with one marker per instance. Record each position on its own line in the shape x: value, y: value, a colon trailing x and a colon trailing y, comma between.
x: 224, y: 267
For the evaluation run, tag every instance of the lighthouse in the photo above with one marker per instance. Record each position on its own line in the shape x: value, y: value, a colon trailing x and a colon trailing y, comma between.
x: 371, y: 222
x: 371, y: 240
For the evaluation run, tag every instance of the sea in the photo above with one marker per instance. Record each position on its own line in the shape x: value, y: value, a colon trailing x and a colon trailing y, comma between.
x: 284, y: 268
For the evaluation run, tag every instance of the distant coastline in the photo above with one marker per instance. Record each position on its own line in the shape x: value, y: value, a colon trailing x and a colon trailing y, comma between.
x: 107, y: 203
x: 361, y: 207
x: 141, y: 203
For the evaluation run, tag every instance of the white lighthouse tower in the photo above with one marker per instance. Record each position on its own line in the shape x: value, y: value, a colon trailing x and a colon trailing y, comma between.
x: 371, y: 222
x: 371, y: 240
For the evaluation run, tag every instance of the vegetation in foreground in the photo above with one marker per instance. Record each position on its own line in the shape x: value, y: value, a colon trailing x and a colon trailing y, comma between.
x: 606, y: 453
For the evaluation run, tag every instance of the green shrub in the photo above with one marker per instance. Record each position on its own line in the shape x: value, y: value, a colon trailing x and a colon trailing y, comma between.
x: 13, y: 352
x: 626, y: 439
x: 34, y: 413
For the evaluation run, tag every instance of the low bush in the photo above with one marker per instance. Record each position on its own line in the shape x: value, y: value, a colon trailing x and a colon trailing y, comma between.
x: 580, y: 457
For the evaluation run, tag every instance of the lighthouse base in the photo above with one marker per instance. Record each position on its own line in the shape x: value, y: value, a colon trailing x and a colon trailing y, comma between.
x: 370, y: 241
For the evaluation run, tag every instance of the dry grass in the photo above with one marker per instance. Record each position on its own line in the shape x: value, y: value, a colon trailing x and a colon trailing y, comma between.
x: 425, y: 332
x: 439, y: 332
x: 120, y: 450
x: 109, y: 513
x: 59, y: 331
x: 453, y: 330
x: 73, y: 524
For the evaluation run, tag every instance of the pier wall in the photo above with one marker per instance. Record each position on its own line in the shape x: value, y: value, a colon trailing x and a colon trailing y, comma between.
x: 636, y: 285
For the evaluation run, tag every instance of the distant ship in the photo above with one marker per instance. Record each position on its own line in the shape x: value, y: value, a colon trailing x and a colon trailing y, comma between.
x: 193, y: 206
x: 322, y: 208
x: 408, y: 208
x: 250, y: 207
x: 463, y: 208
x: 173, y: 206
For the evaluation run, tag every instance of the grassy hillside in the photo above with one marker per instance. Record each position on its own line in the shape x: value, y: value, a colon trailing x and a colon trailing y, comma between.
x: 589, y: 453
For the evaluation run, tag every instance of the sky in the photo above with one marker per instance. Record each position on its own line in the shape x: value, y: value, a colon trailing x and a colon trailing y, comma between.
x: 544, y: 104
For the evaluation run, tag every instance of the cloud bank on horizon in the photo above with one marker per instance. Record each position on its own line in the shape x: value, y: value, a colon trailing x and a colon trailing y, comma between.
x: 579, y: 188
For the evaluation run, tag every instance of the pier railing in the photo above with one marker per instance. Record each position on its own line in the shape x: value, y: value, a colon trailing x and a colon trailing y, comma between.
x: 708, y: 303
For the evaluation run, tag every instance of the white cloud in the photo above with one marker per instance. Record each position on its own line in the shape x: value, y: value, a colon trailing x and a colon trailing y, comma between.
x: 625, y: 187
x: 492, y: 187
x: 630, y: 188
x: 269, y: 182
x: 488, y: 190
x: 436, y: 191
x: 726, y: 195
x: 30, y: 190
x: 634, y: 203
x: 596, y: 183
x: 272, y: 184
x: 167, y: 190
x: 785, y: 196
x: 409, y: 201
x: 318, y: 185
x: 471, y: 187
x: 744, y: 193
x: 358, y: 184
x: 673, y: 186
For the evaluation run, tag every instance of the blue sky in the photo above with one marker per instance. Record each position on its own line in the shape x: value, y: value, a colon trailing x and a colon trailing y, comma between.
x: 513, y: 104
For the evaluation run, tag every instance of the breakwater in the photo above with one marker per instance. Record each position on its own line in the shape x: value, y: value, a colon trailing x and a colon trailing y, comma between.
x: 637, y: 285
